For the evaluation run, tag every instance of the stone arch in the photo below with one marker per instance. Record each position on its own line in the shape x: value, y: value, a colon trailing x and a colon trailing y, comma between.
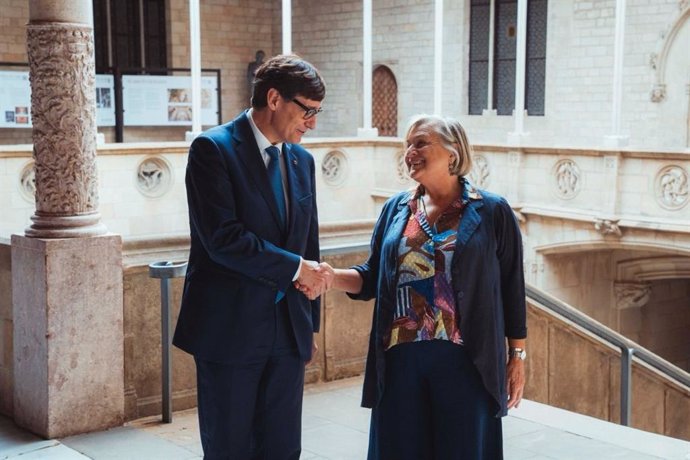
x: 659, y: 60
x: 652, y: 294
x: 586, y: 275
x: 385, y: 101
x: 653, y: 268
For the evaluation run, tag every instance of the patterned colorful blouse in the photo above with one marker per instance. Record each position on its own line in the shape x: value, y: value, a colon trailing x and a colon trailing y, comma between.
x: 425, y: 307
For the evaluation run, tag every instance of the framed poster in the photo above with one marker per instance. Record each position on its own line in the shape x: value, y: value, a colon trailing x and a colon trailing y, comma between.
x: 150, y: 100
x: 105, y: 100
x: 15, y: 99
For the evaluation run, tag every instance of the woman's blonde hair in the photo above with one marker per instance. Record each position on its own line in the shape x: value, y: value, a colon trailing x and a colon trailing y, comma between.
x: 453, y: 138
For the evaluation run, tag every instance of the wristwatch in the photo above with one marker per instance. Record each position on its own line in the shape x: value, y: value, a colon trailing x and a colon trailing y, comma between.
x: 515, y: 352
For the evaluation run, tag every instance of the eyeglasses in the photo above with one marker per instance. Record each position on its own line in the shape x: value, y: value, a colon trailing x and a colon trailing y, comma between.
x: 309, y: 112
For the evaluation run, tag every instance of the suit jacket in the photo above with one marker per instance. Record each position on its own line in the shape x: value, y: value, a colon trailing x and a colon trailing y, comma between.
x: 486, y: 277
x: 240, y: 255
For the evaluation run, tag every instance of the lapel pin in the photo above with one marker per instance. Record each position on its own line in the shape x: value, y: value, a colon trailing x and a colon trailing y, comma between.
x: 294, y: 162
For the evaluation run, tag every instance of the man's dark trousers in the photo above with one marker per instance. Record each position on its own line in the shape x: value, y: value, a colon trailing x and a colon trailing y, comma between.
x: 253, y: 410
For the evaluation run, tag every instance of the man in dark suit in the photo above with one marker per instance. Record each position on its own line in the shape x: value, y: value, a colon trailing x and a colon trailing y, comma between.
x: 254, y: 232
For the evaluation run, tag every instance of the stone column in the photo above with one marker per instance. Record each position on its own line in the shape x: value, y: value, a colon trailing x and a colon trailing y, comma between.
x: 66, y: 271
x: 63, y: 112
x: 616, y: 139
x: 287, y: 26
x: 438, y: 57
x: 366, y: 130
x: 519, y: 136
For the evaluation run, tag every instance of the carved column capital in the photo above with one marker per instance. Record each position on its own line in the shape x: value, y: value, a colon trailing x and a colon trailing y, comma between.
x: 631, y: 294
x: 62, y: 75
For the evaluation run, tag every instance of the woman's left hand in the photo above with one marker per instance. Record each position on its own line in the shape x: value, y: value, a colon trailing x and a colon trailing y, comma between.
x: 515, y: 377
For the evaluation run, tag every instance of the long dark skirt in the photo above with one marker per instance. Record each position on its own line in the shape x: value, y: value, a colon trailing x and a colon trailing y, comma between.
x: 434, y: 407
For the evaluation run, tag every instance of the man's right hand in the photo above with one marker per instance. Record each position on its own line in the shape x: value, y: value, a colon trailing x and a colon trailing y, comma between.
x: 314, y: 279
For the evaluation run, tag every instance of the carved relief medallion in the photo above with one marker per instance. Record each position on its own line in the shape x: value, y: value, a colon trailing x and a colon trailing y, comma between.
x: 671, y: 187
x: 402, y: 173
x: 334, y: 168
x: 479, y: 176
x: 27, y: 182
x: 567, y: 179
x: 154, y: 176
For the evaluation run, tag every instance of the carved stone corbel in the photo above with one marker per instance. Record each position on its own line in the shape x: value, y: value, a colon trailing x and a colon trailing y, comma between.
x: 658, y: 93
x: 607, y: 227
x: 631, y: 294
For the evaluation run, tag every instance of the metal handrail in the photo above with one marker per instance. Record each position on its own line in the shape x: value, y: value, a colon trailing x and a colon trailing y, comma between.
x: 629, y: 349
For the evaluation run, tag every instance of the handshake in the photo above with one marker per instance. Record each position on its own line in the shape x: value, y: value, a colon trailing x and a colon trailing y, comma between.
x: 314, y: 278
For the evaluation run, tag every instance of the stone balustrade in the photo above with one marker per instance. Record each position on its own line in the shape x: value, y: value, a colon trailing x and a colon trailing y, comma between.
x: 142, y: 185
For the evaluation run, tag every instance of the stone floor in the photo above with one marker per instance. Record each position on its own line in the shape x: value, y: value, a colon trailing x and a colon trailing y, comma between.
x: 335, y: 428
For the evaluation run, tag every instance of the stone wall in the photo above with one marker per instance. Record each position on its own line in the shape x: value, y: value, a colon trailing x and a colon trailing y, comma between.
x: 579, y: 68
x: 333, y: 42
x: 579, y: 64
x: 15, y: 15
x: 570, y: 369
x: 142, y: 331
x: 6, y: 349
x: 231, y: 33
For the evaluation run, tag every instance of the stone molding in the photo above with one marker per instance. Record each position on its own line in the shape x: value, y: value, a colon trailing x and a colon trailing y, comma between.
x: 653, y: 268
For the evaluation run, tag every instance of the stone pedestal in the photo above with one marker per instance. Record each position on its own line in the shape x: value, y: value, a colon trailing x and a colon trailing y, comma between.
x: 68, y: 334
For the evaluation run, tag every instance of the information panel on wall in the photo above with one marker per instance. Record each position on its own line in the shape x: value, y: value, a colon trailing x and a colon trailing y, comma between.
x: 150, y: 100
x: 105, y: 100
x: 15, y: 100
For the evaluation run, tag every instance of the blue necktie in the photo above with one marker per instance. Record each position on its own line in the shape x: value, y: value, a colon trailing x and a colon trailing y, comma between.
x: 276, y: 178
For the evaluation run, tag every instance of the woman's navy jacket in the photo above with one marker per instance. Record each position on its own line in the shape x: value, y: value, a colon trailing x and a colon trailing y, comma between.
x: 487, y: 280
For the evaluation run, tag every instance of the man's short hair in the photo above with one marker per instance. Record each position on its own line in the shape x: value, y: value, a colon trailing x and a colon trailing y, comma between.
x: 291, y: 76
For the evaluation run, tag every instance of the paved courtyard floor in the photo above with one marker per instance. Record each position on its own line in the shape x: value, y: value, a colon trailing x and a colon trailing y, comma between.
x: 336, y: 428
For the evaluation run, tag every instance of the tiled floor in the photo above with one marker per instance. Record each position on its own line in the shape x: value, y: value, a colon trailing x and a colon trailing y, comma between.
x: 336, y: 428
